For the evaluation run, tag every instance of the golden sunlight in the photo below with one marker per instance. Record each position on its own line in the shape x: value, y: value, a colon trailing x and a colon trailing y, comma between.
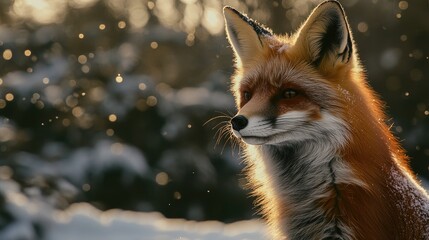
x: 40, y: 11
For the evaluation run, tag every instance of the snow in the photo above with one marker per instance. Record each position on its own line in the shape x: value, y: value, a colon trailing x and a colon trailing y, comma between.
x: 418, y: 197
x: 103, y: 155
x: 25, y: 84
x: 34, y: 219
x: 85, y: 222
x: 283, y: 48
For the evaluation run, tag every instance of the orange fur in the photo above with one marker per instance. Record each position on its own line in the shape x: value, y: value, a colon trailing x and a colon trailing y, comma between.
x: 382, y: 199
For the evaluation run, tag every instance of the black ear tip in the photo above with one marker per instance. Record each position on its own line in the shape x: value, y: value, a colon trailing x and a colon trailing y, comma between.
x: 332, y: 9
x: 333, y: 4
x: 229, y: 10
x: 257, y: 27
x: 227, y: 7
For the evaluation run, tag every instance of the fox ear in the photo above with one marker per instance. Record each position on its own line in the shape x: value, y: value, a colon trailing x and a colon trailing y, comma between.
x: 245, y: 35
x: 325, y: 36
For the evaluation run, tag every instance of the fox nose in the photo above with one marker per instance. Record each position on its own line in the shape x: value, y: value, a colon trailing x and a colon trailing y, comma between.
x: 239, y: 122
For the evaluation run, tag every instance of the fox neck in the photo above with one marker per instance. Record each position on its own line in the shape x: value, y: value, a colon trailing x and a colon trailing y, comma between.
x: 313, y: 190
x: 305, y: 189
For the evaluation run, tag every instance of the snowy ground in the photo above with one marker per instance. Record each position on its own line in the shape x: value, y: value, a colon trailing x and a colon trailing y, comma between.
x: 36, y: 220
x: 85, y: 222
x: 31, y: 219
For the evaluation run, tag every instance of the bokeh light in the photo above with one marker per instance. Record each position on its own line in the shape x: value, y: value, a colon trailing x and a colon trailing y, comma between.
x: 7, y: 54
x: 121, y: 103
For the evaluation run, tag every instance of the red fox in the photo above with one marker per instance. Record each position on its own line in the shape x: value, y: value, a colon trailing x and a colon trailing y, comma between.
x: 319, y: 154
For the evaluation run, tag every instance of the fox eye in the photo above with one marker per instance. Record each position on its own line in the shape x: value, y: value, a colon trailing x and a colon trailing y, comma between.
x: 289, y: 93
x: 246, y: 96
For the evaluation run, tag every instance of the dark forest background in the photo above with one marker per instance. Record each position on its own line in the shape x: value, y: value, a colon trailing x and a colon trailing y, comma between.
x: 106, y: 101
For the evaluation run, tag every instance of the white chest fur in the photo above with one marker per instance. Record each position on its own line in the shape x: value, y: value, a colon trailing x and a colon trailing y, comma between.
x: 293, y: 180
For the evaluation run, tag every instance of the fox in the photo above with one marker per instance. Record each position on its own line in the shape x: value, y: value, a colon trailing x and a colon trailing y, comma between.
x: 318, y: 152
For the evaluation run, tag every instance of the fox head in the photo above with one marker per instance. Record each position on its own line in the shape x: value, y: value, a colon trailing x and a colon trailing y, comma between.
x: 292, y: 88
